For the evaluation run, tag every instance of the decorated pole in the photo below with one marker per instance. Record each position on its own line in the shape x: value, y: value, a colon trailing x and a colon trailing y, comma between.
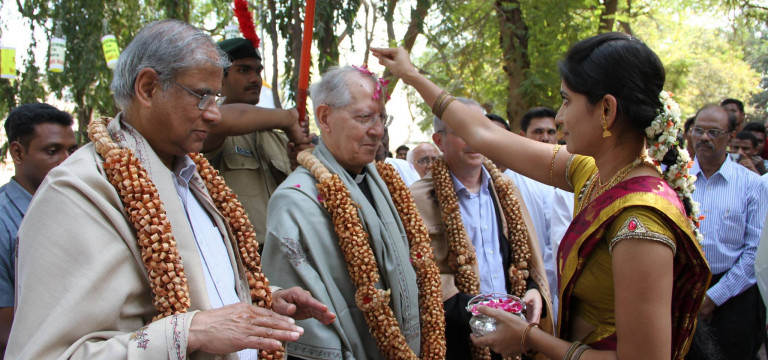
x: 306, y: 58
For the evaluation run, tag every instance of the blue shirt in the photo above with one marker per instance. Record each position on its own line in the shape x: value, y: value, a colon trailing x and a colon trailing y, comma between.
x: 14, y: 201
x: 479, y: 217
x: 733, y: 201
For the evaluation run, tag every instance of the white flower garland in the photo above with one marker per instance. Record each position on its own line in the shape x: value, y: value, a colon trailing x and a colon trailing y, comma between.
x: 662, y: 135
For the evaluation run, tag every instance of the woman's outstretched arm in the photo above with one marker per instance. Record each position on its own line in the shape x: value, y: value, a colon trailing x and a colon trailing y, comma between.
x: 528, y: 157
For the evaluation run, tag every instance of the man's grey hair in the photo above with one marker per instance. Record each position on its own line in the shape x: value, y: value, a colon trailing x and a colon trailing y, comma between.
x: 332, y: 89
x: 167, y: 46
x: 438, y: 125
x: 409, y: 157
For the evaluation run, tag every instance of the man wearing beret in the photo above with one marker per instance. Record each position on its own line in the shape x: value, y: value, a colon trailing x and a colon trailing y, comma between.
x: 250, y: 153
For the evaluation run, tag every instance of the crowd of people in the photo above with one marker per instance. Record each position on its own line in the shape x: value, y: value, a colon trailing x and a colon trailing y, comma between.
x: 197, y: 225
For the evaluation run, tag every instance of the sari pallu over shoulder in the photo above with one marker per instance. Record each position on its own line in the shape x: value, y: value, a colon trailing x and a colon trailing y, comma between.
x: 691, y: 274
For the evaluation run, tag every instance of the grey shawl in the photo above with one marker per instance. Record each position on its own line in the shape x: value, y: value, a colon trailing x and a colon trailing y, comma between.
x: 302, y: 249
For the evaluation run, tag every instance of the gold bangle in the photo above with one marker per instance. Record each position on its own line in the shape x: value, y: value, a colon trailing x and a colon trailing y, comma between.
x: 580, y: 351
x: 523, y: 340
x: 568, y: 170
x: 444, y: 106
x: 555, y: 150
x: 439, y: 101
x: 571, y: 350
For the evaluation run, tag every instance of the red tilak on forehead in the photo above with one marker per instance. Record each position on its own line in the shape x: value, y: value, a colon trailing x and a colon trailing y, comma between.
x: 381, y: 83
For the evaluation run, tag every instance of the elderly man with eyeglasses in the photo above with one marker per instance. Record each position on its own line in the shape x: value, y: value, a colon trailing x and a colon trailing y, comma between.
x: 422, y: 156
x: 303, y: 239
x: 732, y: 199
x: 131, y: 248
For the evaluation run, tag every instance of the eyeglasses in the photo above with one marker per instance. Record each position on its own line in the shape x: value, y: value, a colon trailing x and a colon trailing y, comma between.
x: 427, y: 160
x: 713, y: 133
x: 368, y: 120
x: 205, y: 100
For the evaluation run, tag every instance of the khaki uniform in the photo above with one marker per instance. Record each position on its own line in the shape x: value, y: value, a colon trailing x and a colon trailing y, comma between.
x: 253, y: 165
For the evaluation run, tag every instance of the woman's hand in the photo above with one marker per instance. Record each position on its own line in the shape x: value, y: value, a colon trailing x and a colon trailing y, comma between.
x: 509, y: 331
x: 398, y: 61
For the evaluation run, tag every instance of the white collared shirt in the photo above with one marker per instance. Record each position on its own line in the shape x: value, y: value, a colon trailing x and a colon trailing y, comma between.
x: 217, y: 268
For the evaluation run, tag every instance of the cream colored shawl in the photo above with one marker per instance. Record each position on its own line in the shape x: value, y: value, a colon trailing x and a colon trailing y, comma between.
x: 82, y: 289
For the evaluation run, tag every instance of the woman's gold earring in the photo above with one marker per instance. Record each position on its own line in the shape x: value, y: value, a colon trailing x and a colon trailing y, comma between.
x: 606, y: 133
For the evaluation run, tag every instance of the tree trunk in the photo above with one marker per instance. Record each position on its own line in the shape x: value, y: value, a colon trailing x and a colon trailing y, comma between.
x: 84, y: 113
x: 625, y: 25
x: 177, y: 9
x: 369, y: 30
x: 415, y: 27
x: 608, y: 17
x: 275, y: 44
x: 297, y: 34
x: 513, y: 37
x: 389, y: 17
x: 327, y: 41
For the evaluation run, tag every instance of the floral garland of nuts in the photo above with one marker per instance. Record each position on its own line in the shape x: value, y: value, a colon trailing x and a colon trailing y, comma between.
x: 516, y: 229
x: 353, y: 240
x: 156, y: 241
x: 230, y: 207
x: 467, y: 280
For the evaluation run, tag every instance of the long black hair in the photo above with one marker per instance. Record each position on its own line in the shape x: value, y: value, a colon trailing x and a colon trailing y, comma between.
x: 624, y: 67
x: 620, y: 65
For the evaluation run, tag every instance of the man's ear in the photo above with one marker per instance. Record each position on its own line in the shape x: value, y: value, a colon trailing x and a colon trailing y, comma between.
x: 323, y: 113
x: 17, y: 152
x: 437, y: 138
x: 145, y: 86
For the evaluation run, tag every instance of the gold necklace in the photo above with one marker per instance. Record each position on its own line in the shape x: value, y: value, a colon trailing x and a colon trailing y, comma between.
x: 594, y: 186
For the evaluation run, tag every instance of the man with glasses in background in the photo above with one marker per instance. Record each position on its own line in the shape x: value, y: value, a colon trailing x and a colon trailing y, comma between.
x: 732, y: 200
x: 422, y: 156
x: 302, y: 244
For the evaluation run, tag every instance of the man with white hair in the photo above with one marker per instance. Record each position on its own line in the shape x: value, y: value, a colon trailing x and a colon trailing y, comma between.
x: 128, y: 251
x: 422, y: 156
x: 356, y: 256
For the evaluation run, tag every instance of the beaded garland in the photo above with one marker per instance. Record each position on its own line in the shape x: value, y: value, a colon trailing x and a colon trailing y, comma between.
x: 230, y: 207
x: 359, y: 257
x: 157, y: 244
x: 467, y: 280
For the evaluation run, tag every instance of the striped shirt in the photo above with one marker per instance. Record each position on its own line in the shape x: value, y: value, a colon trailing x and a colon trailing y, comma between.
x: 14, y: 201
x: 219, y: 275
x: 733, y: 201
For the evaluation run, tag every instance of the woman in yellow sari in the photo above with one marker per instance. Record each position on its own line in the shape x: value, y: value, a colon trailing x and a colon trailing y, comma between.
x: 631, y: 274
